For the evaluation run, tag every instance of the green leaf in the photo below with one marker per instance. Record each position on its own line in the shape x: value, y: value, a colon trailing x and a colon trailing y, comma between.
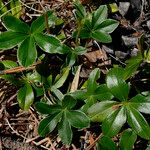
x: 138, y: 123
x: 118, y: 87
x: 39, y: 24
x: 16, y: 8
x: 127, y: 140
x: 79, y: 94
x: 91, y: 84
x: 141, y: 103
x: 49, y: 43
x: 68, y: 102
x: 62, y: 78
x: 132, y: 66
x: 148, y: 148
x: 78, y: 119
x: 102, y: 93
x: 27, y: 53
x: 99, y: 15
x: 80, y: 12
x: 105, y: 143
x: 64, y: 131
x: 12, y: 79
x: 10, y: 39
x: 80, y: 50
x: 3, y: 8
x: 84, y: 33
x: 47, y: 109
x: 9, y: 64
x: 101, y: 36
x: 48, y: 124
x: 107, y: 26
x: 113, y: 123
x: 25, y: 96
x: 99, y: 111
x: 14, y: 24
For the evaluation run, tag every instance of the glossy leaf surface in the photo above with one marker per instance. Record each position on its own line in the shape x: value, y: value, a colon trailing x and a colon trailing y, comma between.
x: 48, y: 124
x: 138, y: 123
x: 10, y: 39
x: 113, y: 123
x: 49, y: 43
x: 27, y: 53
x: 25, y: 96
x: 141, y: 103
x: 47, y: 109
x: 99, y: 111
x: 117, y: 85
x: 14, y: 24
x: 108, y: 26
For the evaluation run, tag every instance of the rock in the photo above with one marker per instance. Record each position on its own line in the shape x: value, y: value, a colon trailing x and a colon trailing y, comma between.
x: 129, y: 41
x: 123, y: 8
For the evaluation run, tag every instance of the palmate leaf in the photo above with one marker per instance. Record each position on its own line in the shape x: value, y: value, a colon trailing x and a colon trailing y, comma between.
x: 127, y: 139
x: 27, y: 53
x: 138, y: 123
x: 113, y: 123
x: 117, y: 85
x: 10, y: 39
x: 48, y: 124
x: 25, y: 96
x: 14, y: 24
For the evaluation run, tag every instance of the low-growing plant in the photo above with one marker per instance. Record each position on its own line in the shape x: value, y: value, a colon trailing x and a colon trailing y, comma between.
x: 111, y: 103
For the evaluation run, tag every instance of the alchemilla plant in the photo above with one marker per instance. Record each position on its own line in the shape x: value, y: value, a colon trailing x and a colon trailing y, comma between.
x: 110, y: 103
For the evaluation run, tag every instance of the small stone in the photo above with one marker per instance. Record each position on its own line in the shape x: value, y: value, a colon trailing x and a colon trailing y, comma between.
x: 123, y: 8
x: 148, y: 24
x: 129, y: 41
